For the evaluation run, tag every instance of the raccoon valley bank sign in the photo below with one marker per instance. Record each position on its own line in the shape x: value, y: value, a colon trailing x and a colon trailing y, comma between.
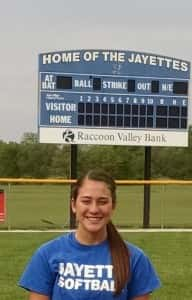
x: 110, y: 137
x: 113, y: 97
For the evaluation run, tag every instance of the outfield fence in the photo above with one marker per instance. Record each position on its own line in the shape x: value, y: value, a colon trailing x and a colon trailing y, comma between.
x: 41, y: 204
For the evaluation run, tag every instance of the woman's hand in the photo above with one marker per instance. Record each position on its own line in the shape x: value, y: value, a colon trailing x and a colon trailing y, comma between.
x: 35, y: 296
x: 144, y: 297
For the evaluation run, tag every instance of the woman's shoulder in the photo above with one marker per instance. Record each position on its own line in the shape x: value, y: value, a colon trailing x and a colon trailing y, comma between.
x: 138, y: 257
x: 54, y: 244
x: 135, y: 251
x: 134, y: 248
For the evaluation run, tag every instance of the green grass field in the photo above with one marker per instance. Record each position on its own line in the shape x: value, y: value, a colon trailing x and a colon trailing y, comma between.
x: 47, y: 206
x: 170, y: 253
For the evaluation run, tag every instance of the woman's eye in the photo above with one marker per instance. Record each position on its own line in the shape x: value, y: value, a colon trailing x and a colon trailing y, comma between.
x: 102, y: 202
x: 85, y: 201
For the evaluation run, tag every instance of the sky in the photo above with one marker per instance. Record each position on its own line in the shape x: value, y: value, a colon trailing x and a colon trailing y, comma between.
x: 30, y: 27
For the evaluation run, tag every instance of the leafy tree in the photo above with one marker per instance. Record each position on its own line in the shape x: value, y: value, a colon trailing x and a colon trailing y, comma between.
x: 29, y: 138
x: 8, y: 160
x: 32, y: 159
x: 60, y: 163
x: 121, y: 162
x: 35, y: 160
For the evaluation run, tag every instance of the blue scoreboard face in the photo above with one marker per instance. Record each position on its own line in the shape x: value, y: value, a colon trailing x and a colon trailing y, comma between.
x: 113, y: 97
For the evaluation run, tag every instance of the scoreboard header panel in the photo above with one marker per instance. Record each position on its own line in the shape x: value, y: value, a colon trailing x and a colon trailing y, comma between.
x: 112, y: 97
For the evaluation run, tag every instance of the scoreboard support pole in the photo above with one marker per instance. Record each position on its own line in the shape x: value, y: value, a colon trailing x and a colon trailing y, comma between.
x: 147, y: 188
x: 73, y: 175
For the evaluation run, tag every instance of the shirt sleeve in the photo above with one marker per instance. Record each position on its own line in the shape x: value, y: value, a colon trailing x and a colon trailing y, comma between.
x: 37, y: 276
x: 144, y: 278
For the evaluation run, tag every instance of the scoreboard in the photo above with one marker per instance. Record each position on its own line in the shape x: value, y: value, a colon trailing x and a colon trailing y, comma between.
x: 113, y: 97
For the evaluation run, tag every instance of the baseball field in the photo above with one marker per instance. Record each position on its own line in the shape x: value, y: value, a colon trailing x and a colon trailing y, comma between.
x: 43, y: 207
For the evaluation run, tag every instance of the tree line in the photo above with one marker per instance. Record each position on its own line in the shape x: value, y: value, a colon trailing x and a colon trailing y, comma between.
x: 30, y: 159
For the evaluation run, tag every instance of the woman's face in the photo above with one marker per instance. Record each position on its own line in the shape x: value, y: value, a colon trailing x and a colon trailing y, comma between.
x: 93, y: 207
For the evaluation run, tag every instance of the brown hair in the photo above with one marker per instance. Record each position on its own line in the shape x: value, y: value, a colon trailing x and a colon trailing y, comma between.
x: 118, y: 248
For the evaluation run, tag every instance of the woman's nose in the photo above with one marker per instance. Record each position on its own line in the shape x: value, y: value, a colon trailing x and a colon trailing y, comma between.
x: 93, y: 208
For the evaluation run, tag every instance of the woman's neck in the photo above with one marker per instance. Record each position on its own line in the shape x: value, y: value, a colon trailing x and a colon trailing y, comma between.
x: 87, y: 238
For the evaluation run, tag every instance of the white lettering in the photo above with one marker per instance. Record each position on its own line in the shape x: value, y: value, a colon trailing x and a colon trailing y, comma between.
x: 61, y: 268
x: 61, y: 57
x: 83, y: 83
x: 69, y: 270
x: 158, y: 61
x: 60, y: 119
x: 56, y: 58
x: 167, y: 87
x: 113, y: 56
x: 48, y: 77
x: 174, y: 102
x: 70, y: 274
x: 176, y: 65
x: 78, y: 269
x: 100, y: 270
x: 48, y: 85
x: 90, y: 55
x: 69, y: 283
x: 138, y: 59
x: 87, y: 56
x: 95, y: 285
x: 145, y: 58
x: 150, y: 100
x: 184, y: 102
x: 115, y: 85
x: 104, y: 285
x: 184, y: 66
x: 55, y: 106
x: 144, y: 86
x: 153, y: 60
x: 87, y: 284
x: 109, y: 271
x: 78, y: 283
x: 168, y: 62
x: 61, y: 282
x: 89, y: 271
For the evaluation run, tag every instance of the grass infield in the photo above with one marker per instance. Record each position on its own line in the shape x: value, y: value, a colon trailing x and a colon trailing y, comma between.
x: 47, y: 207
x: 170, y: 253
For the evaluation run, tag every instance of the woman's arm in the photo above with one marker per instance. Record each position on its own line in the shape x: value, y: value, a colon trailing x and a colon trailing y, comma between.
x: 35, y: 296
x: 144, y: 297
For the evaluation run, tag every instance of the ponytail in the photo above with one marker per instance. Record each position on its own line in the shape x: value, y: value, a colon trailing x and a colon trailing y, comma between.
x: 120, y: 258
x: 118, y: 249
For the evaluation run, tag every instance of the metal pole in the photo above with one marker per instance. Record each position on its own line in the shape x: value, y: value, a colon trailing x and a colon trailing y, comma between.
x: 147, y: 176
x: 73, y: 175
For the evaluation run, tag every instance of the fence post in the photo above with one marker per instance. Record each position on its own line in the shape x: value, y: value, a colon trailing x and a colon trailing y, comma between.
x: 73, y: 176
x: 147, y: 176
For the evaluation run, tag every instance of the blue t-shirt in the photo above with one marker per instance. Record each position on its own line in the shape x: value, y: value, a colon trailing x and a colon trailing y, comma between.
x: 64, y: 269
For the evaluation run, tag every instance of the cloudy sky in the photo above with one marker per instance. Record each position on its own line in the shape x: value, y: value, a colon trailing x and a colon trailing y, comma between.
x: 30, y: 27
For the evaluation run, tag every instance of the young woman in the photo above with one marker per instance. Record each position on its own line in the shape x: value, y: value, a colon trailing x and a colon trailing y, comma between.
x: 93, y: 262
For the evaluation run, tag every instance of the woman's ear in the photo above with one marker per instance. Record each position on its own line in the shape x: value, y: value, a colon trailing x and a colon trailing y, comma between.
x: 73, y: 206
